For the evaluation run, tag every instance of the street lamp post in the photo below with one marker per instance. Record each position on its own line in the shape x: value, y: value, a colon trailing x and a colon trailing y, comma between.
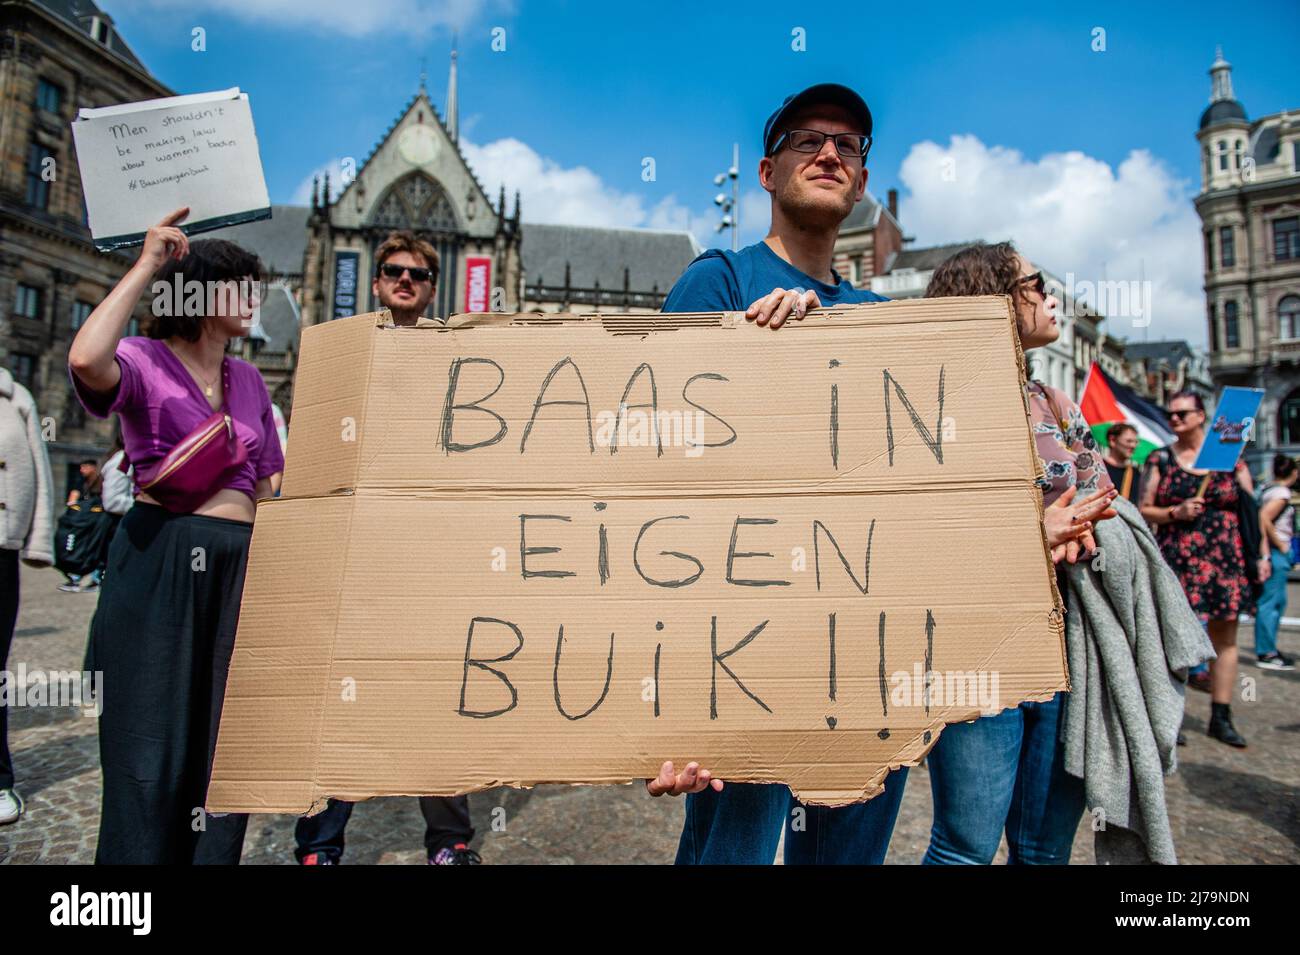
x: 730, y: 206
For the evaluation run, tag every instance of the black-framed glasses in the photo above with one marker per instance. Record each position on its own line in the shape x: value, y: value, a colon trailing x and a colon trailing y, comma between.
x: 1035, y: 282
x: 394, y: 272
x: 1178, y: 415
x: 849, y: 145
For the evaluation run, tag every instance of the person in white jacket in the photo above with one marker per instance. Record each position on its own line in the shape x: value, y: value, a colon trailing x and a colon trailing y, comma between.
x: 26, y: 534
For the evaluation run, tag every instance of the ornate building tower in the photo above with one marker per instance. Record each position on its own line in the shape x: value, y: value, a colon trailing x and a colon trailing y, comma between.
x: 1249, y: 206
x: 415, y: 178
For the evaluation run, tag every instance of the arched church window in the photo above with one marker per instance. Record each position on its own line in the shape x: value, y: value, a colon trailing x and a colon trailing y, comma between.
x: 418, y: 203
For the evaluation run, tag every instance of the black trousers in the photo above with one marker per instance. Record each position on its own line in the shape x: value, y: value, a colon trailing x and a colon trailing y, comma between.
x: 446, y: 822
x: 113, y: 521
x: 162, y: 637
x: 8, y: 620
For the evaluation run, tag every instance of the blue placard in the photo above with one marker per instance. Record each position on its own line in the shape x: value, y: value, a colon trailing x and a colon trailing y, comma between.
x: 1229, y: 429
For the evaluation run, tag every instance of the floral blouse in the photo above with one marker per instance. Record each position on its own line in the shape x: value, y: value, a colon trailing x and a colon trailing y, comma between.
x: 1065, y: 444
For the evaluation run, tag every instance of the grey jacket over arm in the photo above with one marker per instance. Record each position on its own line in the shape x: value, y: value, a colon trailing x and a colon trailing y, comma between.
x: 1131, y: 637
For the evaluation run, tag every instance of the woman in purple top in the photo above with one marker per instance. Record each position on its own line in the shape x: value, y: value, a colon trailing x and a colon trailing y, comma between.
x: 165, y: 626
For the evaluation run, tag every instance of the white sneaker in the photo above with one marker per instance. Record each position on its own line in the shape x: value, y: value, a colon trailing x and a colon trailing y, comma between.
x: 11, y: 806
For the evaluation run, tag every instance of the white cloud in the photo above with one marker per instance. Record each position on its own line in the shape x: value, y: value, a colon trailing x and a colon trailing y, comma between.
x: 755, y: 215
x: 573, y: 195
x: 1070, y: 213
x: 340, y: 16
x: 335, y: 169
x: 551, y: 193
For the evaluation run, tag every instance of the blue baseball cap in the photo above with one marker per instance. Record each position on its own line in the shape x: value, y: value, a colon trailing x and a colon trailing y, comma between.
x: 832, y: 93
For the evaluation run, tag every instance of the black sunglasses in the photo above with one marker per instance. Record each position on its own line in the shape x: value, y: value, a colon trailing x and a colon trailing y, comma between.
x: 1039, y: 284
x: 850, y: 145
x: 1178, y: 415
x: 395, y: 272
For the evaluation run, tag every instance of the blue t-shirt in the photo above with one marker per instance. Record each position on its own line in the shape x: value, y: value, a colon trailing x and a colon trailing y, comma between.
x: 725, y: 281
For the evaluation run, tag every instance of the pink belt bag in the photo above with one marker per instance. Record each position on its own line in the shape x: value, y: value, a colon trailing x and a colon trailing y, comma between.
x: 197, y: 468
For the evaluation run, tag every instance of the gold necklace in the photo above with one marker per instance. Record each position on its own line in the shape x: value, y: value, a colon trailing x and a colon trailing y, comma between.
x: 208, y: 386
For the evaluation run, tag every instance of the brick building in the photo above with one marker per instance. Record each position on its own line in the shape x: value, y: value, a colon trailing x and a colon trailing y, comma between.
x: 1249, y: 206
x: 56, y: 56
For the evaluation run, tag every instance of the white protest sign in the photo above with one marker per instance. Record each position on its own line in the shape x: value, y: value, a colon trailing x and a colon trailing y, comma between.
x: 140, y: 161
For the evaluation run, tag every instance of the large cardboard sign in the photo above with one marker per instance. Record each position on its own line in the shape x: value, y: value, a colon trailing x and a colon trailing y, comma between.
x: 140, y: 161
x: 522, y: 550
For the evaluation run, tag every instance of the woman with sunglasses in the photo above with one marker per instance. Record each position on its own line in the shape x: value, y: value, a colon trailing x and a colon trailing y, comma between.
x: 1006, y: 772
x: 1195, y: 513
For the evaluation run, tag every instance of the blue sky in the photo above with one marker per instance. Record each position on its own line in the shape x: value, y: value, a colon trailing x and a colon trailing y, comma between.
x: 584, y: 91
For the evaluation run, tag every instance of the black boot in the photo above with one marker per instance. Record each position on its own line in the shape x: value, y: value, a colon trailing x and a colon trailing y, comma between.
x: 1221, y: 727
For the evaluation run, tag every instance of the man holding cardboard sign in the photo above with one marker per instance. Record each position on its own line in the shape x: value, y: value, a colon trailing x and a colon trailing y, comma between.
x: 607, y: 598
x: 814, y: 165
x: 641, y: 555
x: 406, y: 276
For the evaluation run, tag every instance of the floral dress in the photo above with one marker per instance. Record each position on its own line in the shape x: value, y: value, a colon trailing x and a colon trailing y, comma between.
x: 1065, y: 444
x: 1205, y: 553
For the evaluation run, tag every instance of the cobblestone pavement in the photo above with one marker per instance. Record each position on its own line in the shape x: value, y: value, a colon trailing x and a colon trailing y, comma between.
x: 1226, y: 806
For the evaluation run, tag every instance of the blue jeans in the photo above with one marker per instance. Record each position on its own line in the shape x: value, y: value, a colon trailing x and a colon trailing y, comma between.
x: 742, y: 825
x: 1271, y: 604
x: 1004, y: 772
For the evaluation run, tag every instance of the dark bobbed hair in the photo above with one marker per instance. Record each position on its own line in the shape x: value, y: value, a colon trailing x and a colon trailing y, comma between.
x: 980, y: 269
x: 1283, y: 466
x: 208, y: 261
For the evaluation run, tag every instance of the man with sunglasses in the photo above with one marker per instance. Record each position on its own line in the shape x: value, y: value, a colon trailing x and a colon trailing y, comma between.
x: 814, y: 166
x: 406, y: 276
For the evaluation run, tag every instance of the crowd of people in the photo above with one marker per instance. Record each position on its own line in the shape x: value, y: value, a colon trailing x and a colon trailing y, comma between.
x: 199, y: 447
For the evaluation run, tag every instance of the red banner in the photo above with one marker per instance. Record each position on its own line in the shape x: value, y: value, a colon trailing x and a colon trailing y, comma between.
x: 478, y: 284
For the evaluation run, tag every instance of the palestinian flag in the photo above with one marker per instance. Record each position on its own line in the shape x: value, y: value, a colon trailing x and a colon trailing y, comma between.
x: 1105, y: 401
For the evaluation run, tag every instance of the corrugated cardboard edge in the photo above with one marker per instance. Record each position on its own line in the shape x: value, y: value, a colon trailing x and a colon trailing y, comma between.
x: 303, y: 753
x: 315, y: 387
x: 909, y: 754
x: 321, y: 799
x: 1058, y: 613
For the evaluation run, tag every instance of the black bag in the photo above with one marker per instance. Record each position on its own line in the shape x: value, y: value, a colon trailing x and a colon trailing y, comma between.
x: 81, y: 537
x: 1251, y: 537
